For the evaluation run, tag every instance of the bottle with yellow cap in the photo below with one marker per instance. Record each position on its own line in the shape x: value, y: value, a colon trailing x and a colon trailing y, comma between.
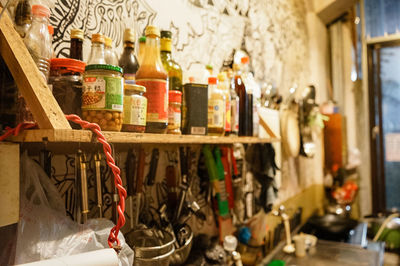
x: 75, y: 51
x: 97, y: 56
x: 109, y: 54
x: 128, y: 60
x: 153, y: 76
x: 173, y: 69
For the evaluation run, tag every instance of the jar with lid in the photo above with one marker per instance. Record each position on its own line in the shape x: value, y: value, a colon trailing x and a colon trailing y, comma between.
x: 174, y: 112
x: 66, y: 82
x: 102, y: 96
x: 135, y: 108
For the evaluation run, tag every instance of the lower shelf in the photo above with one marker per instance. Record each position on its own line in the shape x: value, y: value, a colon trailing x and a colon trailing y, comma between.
x: 86, y: 136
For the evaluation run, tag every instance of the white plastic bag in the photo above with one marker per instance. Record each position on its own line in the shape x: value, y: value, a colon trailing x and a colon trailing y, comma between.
x: 44, y: 230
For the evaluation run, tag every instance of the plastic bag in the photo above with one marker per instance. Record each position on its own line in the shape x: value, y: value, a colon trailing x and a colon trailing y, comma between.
x: 44, y: 230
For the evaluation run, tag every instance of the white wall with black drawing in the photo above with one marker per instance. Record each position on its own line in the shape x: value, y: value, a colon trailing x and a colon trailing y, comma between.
x: 273, y: 32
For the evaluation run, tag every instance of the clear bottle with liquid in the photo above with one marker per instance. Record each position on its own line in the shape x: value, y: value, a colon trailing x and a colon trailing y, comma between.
x: 216, y: 109
x: 109, y: 54
x: 97, y: 56
x: 38, y: 40
x: 223, y: 85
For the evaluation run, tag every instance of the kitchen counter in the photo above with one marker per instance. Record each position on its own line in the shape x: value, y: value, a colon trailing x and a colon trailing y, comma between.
x: 329, y: 253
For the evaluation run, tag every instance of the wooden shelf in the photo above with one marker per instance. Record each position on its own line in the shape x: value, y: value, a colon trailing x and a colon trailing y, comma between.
x: 86, y: 136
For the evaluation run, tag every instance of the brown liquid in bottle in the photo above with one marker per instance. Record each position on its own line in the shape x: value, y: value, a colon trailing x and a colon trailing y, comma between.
x: 245, y: 108
x: 151, y: 70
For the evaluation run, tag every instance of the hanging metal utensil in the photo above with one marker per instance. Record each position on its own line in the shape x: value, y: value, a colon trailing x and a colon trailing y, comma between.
x: 151, y: 176
x: 84, y: 190
x: 99, y: 188
x: 139, y: 183
x: 130, y: 166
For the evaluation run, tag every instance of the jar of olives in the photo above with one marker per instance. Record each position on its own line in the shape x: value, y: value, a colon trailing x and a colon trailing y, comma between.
x: 102, y: 96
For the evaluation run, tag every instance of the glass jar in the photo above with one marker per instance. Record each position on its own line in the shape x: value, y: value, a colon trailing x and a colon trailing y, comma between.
x: 135, y: 108
x: 174, y: 112
x: 102, y: 96
x: 66, y: 83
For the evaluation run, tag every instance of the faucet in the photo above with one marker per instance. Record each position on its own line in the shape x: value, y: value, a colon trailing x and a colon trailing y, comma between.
x: 289, y: 247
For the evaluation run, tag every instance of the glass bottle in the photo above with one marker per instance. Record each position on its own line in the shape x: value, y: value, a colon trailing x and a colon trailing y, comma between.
x: 51, y: 32
x: 128, y: 60
x: 216, y: 108
x: 142, y: 48
x: 23, y: 17
x: 153, y: 76
x: 109, y: 54
x: 234, y: 105
x: 245, y: 102
x: 223, y: 85
x: 75, y: 51
x: 173, y: 69
x: 97, y: 56
x: 38, y: 41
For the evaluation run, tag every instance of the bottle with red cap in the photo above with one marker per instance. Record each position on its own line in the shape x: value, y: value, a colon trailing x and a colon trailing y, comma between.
x: 216, y: 108
x: 38, y: 40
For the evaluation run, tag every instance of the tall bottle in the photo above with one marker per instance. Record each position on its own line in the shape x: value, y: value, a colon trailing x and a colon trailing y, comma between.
x: 23, y: 17
x: 128, y: 60
x: 173, y: 69
x: 223, y: 85
x: 234, y: 104
x: 245, y: 101
x: 38, y: 41
x: 142, y: 48
x: 153, y: 76
x: 75, y: 51
x: 109, y: 54
x: 216, y: 108
x: 97, y: 56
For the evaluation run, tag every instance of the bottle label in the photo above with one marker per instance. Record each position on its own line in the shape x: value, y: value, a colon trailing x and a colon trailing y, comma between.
x: 198, y: 130
x: 157, y: 99
x: 216, y: 109
x: 102, y: 93
x: 135, y: 109
x: 228, y: 116
x: 174, y: 117
x: 129, y: 78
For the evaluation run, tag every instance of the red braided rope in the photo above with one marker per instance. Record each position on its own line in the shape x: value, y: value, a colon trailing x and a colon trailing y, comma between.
x: 113, y: 236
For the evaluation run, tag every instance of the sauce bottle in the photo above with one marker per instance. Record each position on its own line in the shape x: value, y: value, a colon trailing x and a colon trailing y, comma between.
x: 216, y: 108
x: 75, y: 51
x: 174, y: 70
x: 223, y: 85
x: 245, y: 101
x: 153, y: 76
x: 96, y: 56
x: 142, y: 47
x: 109, y: 54
x: 128, y: 60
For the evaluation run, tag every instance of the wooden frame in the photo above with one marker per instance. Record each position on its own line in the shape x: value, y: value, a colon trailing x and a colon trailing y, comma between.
x: 29, y: 80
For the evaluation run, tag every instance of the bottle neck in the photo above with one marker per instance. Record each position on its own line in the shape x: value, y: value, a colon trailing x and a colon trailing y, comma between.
x: 129, y: 45
x: 36, y: 19
x: 152, y: 51
x: 166, y: 55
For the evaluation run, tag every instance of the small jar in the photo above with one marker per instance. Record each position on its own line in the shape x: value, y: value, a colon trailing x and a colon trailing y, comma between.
x: 135, y: 108
x: 174, y: 112
x: 102, y: 96
x: 66, y: 83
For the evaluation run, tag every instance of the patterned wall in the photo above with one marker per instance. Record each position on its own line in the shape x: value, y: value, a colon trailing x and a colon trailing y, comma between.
x: 273, y: 32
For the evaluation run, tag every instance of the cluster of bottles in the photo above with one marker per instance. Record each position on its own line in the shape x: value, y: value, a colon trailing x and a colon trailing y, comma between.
x: 150, y: 83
